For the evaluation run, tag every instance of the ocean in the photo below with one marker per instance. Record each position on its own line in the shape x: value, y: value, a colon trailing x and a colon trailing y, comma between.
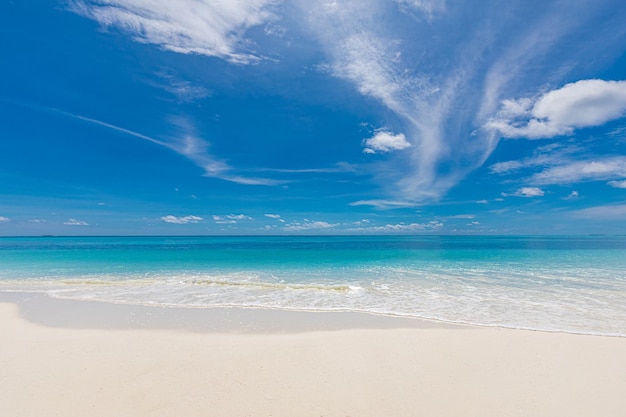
x: 573, y: 284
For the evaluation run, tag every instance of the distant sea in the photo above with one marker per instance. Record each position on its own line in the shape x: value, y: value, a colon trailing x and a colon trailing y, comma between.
x: 571, y: 284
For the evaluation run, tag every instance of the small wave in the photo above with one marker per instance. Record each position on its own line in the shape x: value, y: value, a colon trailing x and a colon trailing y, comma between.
x: 85, y: 282
x: 274, y: 285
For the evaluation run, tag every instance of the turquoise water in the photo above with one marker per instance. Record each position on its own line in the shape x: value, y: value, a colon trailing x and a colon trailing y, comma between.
x: 572, y: 284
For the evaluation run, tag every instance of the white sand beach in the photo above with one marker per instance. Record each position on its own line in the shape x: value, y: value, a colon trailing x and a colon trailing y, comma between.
x: 64, y: 358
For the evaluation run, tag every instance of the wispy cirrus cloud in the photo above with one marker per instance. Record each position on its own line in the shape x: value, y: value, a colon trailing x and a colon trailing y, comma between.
x: 401, y: 228
x: 277, y: 217
x: 448, y: 107
x: 181, y: 220
x: 617, y: 184
x: 461, y: 216
x: 426, y: 7
x: 368, y: 54
x: 76, y: 222
x: 212, y: 28
x: 4, y: 219
x: 310, y: 225
x: 608, y: 168
x: 383, y: 204
x: 544, y: 156
x: 230, y: 218
x: 184, y: 141
x: 564, y: 164
x: 440, y: 105
x: 184, y: 90
x: 585, y: 103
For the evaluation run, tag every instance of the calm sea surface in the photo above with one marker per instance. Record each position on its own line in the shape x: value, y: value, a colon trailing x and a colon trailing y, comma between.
x: 572, y: 284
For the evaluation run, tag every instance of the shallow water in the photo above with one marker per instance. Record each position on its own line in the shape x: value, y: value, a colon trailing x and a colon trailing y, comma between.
x: 573, y: 284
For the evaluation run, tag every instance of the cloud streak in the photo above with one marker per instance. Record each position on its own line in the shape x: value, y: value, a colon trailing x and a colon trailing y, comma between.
x: 75, y: 222
x: 185, y: 142
x: 230, y: 218
x: 579, y: 171
x: 212, y: 28
x: 617, y: 184
x: 181, y: 220
x: 402, y: 228
x: 562, y: 165
x: 309, y: 225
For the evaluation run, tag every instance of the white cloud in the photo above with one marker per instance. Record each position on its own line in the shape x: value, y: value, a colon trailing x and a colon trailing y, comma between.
x: 506, y: 166
x: 385, y: 141
x: 4, y: 219
x: 382, y: 204
x: 482, y: 202
x: 474, y: 223
x: 572, y: 196
x: 181, y: 220
x: 461, y: 216
x: 230, y: 218
x: 223, y: 220
x: 526, y: 192
x: 74, y: 222
x: 618, y: 184
x: 308, y: 225
x: 585, y: 103
x: 36, y: 221
x: 276, y: 217
x: 401, y: 228
x: 213, y: 28
x: 238, y: 217
x: 590, y: 170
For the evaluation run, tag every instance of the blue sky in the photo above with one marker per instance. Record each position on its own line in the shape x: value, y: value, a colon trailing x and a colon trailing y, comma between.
x: 307, y: 117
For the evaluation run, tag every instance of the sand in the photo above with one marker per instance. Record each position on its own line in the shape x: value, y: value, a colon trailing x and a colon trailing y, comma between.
x: 62, y: 358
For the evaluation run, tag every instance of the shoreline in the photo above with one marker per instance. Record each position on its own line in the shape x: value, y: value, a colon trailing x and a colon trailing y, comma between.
x: 43, y: 309
x: 74, y: 358
x: 37, y: 306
